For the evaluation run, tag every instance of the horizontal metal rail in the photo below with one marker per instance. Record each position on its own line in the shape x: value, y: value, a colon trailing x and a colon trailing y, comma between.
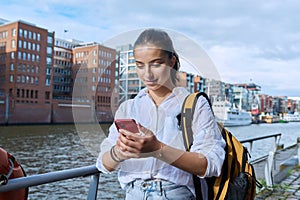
x: 277, y: 137
x: 40, y: 179
x: 260, y: 138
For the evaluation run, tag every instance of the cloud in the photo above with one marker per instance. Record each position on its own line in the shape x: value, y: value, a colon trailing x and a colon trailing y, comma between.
x: 244, y: 38
x: 240, y: 64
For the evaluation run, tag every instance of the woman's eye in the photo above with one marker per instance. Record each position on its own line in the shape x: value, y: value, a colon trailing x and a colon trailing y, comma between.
x: 140, y: 66
x: 156, y: 64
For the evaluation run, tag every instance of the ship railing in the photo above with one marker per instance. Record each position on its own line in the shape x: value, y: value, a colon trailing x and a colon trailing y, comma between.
x: 40, y: 179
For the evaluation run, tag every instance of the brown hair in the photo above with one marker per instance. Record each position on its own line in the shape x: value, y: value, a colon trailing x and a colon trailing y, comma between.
x: 162, y: 40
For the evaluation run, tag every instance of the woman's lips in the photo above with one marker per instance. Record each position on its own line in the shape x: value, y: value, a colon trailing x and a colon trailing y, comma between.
x: 151, y: 82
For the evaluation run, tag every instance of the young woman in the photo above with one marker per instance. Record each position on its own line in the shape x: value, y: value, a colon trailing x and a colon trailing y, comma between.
x: 154, y: 164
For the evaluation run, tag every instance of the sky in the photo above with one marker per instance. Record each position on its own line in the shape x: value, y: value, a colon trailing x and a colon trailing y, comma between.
x: 248, y: 41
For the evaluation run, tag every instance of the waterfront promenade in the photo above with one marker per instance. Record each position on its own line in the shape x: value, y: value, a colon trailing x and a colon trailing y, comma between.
x: 286, y: 176
x: 288, y: 189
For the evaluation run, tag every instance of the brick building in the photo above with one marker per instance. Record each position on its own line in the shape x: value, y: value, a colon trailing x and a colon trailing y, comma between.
x: 26, y: 60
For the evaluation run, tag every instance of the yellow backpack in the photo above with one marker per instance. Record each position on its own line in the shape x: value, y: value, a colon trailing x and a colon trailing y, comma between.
x: 237, y: 179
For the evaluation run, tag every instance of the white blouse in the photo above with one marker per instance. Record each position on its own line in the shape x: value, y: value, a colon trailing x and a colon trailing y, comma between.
x: 163, y: 123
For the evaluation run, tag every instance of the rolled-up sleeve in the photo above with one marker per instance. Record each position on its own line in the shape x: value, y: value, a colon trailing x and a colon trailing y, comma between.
x: 113, y: 135
x: 207, y: 138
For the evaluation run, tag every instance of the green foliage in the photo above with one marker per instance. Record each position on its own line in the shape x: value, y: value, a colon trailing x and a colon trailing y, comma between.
x: 275, y: 188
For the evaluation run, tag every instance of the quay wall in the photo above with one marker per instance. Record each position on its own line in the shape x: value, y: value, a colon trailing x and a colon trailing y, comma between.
x: 59, y: 112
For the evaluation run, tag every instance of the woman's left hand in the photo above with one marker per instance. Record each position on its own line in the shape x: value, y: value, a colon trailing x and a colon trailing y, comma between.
x: 140, y: 145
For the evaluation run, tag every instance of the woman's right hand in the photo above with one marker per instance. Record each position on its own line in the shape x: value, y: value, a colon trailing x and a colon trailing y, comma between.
x: 132, y: 145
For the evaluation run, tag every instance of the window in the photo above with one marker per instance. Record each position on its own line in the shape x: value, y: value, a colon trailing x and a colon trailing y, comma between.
x: 25, y: 33
x: 29, y: 45
x: 33, y: 46
x: 19, y: 67
x: 49, y: 50
x: 39, y: 37
x: 12, y: 67
x: 48, y: 71
x: 12, y: 55
x: 11, y: 78
x: 38, y: 47
x: 14, y: 32
x: 49, y: 61
x: 21, y: 32
x: 13, y: 44
x: 47, y: 95
x: 29, y: 34
x: 20, y: 42
x: 47, y: 82
x: 50, y: 39
x: 34, y: 36
x: 24, y: 44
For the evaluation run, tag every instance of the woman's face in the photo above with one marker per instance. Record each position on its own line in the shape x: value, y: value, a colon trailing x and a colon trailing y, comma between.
x: 153, y: 67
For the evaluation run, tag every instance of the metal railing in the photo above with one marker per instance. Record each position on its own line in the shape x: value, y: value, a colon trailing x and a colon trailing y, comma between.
x: 276, y: 136
x: 269, y: 158
x: 39, y: 179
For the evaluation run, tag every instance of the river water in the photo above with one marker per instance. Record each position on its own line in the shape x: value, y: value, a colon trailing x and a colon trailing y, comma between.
x: 47, y: 148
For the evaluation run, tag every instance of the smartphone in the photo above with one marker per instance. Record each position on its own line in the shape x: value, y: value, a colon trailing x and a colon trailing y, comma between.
x: 127, y: 124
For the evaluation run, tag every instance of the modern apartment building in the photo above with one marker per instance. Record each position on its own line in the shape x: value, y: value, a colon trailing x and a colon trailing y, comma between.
x: 129, y: 82
x: 215, y: 89
x: 62, y: 68
x: 26, y: 62
x: 192, y: 82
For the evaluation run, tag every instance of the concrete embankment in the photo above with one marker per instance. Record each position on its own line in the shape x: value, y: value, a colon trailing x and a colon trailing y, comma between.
x: 285, y: 175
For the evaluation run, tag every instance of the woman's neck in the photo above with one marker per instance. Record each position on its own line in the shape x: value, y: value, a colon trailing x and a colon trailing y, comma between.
x: 158, y: 96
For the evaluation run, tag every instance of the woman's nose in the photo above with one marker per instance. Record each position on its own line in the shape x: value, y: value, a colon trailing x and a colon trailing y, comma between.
x: 148, y: 71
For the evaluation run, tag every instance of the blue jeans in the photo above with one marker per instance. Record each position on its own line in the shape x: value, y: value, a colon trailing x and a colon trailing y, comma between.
x: 157, y: 190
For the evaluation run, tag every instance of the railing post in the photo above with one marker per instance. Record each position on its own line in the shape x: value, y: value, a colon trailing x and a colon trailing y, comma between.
x: 298, y: 146
x: 268, y: 169
x: 92, y: 195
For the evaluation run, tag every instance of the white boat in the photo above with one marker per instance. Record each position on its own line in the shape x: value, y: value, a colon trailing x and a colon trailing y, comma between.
x: 292, y: 117
x: 230, y: 116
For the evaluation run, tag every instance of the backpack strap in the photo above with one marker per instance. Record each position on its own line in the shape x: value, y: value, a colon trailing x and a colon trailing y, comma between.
x: 187, y: 114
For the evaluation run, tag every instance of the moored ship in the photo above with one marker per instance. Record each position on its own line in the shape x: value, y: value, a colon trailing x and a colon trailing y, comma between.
x: 292, y: 117
x: 229, y: 115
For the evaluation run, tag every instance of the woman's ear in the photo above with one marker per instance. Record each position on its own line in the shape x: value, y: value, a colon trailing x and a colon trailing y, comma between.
x: 173, y: 61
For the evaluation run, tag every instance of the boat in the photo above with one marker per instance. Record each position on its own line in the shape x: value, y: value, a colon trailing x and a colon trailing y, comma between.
x: 229, y: 115
x: 270, y: 118
x: 292, y: 117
